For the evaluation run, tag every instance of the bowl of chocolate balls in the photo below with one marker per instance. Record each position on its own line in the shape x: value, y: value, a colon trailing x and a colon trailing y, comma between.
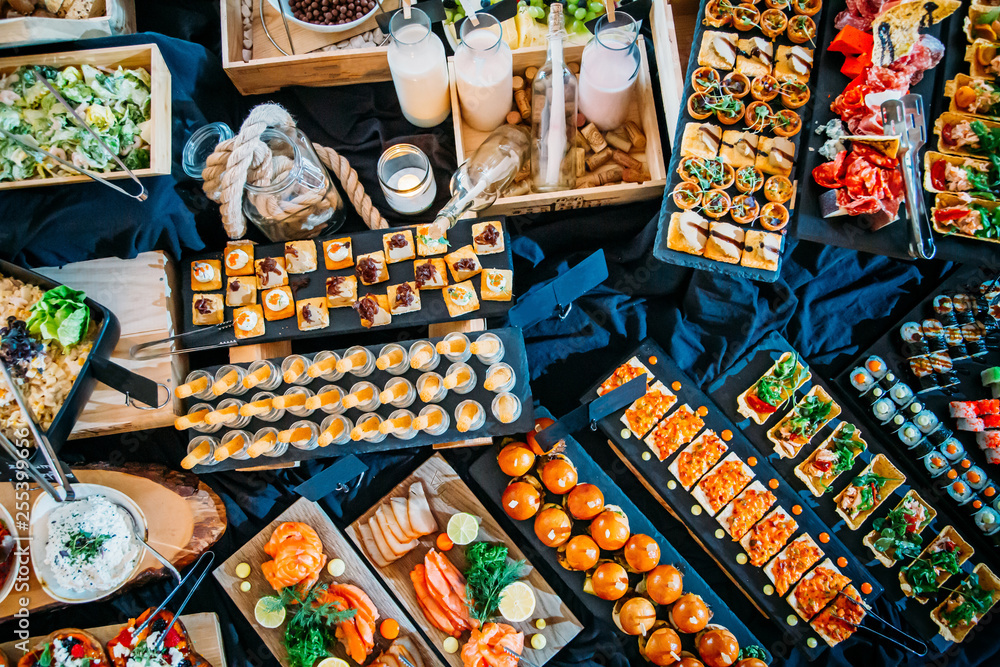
x: 328, y: 15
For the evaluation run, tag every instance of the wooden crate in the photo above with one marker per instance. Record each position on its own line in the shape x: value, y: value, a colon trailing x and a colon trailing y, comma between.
x: 140, y: 55
x: 643, y: 113
x: 107, y: 17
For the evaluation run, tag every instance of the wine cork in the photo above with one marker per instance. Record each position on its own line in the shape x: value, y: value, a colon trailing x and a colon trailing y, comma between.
x: 262, y: 446
x: 634, y: 176
x: 523, y: 104
x: 580, y: 158
x: 191, y: 388
x: 486, y: 347
x: 524, y: 173
x: 294, y: 434
x: 225, y: 383
x: 354, y: 399
x: 635, y: 134
x: 393, y: 357
x: 232, y: 447
x: 581, y: 120
x: 613, y: 174
x: 626, y: 160
x: 498, y: 378
x: 599, y: 158
x: 355, y: 360
x: 517, y: 189
x: 320, y: 367
x: 574, y: 67
x: 467, y: 417
x: 458, y: 378
x: 619, y: 139
x: 582, y: 142
x: 530, y: 73
x: 395, y: 425
x: 222, y: 416
x: 331, y: 433
x: 594, y: 137
x: 390, y: 394
x: 517, y: 82
x: 185, y: 422
x: 258, y: 376
x: 260, y: 407
x: 453, y: 346
x: 506, y: 407
x: 421, y: 356
x: 322, y: 400
x: 296, y: 400
x: 196, y: 456
x: 513, y: 118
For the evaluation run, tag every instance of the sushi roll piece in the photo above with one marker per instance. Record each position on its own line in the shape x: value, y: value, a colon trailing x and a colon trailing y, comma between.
x: 940, y: 362
x: 926, y: 421
x: 896, y: 423
x: 914, y: 344
x: 990, y: 376
x: 989, y: 493
x: 976, y: 478
x: 960, y: 492
x: 988, y: 440
x: 970, y: 424
x: 974, y: 343
x: 944, y: 309
x: 922, y: 449
x: 987, y: 520
x: 962, y: 409
x: 874, y: 395
x: 991, y: 421
x: 936, y: 464
x: 964, y: 308
x: 901, y: 394
x: 876, y: 366
x: 987, y: 406
x: 992, y: 456
x: 953, y: 450
x: 934, y: 335
x: 862, y: 380
x: 948, y: 380
x: 939, y: 436
x: 923, y: 370
x: 888, y: 381
x: 956, y: 343
x: 883, y: 409
x: 909, y: 435
x: 913, y: 409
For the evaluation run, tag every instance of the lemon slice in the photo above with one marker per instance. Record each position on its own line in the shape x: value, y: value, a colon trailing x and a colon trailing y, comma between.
x: 517, y: 602
x: 538, y: 641
x: 269, y: 611
x: 463, y: 528
x: 333, y: 662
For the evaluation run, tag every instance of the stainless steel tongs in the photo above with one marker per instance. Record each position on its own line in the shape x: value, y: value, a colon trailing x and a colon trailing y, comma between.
x: 904, y: 641
x: 905, y: 118
x: 29, y: 144
x: 208, y: 557
x: 136, y: 349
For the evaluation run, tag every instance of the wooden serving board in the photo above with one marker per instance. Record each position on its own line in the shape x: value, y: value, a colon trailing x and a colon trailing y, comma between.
x: 335, y: 545
x: 203, y: 628
x: 184, y: 516
x: 447, y: 495
x: 140, y: 292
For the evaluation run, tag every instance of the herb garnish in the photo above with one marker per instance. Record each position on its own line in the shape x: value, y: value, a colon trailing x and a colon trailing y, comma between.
x: 82, y: 546
x: 974, y: 600
x: 895, y: 536
x: 923, y: 573
x: 489, y: 573
x: 808, y: 415
x: 775, y: 388
x: 311, y: 629
x: 870, y: 484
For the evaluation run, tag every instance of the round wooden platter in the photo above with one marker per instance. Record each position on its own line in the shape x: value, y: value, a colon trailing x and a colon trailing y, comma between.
x: 184, y: 516
x: 203, y: 629
x: 448, y: 494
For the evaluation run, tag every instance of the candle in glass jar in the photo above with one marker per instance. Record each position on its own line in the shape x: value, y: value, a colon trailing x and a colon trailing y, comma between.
x: 407, y: 180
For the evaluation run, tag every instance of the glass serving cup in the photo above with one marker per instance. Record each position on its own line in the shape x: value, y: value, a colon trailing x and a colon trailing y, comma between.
x: 269, y: 383
x: 271, y: 414
x: 428, y: 412
x: 424, y: 356
x: 238, y: 421
x: 240, y: 453
x: 298, y: 405
x: 200, y: 451
x: 367, y: 428
x: 265, y: 443
x: 495, y: 375
x: 222, y: 382
x: 488, y: 348
x: 201, y: 426
x: 293, y: 369
x: 385, y: 362
x: 205, y: 392
x: 463, y: 422
x: 364, y: 405
x: 324, y: 365
x: 358, y: 361
x: 395, y: 396
x: 455, y: 340
x: 342, y: 436
x: 302, y: 434
x: 506, y: 407
x: 453, y: 381
x: 399, y: 425
x: 329, y: 399
x: 430, y: 387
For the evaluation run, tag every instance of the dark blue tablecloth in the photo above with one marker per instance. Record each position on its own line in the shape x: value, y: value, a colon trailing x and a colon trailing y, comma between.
x: 829, y: 303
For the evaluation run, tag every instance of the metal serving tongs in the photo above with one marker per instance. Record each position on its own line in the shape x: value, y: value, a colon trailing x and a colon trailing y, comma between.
x: 905, y: 118
x: 905, y: 641
x: 41, y: 442
x: 209, y: 558
x: 136, y: 349
x: 32, y: 145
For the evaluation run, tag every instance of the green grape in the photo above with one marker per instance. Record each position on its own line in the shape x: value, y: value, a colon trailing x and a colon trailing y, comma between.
x: 580, y: 13
x: 596, y: 7
x: 590, y: 16
x: 570, y: 8
x: 449, y: 16
x: 537, y: 12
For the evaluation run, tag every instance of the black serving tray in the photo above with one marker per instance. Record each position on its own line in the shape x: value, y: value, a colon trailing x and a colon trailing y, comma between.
x: 492, y: 481
x: 514, y: 354
x: 346, y: 320
x: 888, y: 346
x: 704, y: 527
x: 844, y: 231
x: 745, y: 373
x: 660, y: 249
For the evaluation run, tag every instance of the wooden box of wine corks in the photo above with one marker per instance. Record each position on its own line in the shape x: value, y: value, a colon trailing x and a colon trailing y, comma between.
x: 615, y: 167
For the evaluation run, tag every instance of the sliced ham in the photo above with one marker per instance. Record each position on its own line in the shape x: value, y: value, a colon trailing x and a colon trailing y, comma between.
x: 368, y: 539
x: 399, y: 510
x: 419, y: 511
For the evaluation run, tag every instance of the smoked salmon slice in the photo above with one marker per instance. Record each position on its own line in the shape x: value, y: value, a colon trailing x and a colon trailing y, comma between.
x: 298, y: 557
x: 430, y: 606
x: 486, y: 648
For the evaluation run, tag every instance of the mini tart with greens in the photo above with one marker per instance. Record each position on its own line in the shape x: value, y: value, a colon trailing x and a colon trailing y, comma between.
x: 749, y: 179
x: 775, y: 388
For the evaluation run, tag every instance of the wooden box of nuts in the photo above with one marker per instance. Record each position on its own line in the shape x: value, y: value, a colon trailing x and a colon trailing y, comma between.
x: 27, y: 22
x: 616, y: 167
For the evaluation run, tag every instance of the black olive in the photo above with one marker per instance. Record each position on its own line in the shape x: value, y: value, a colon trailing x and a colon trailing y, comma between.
x: 159, y: 625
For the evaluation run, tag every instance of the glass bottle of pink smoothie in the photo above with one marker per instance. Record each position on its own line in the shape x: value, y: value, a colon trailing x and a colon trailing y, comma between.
x: 609, y: 70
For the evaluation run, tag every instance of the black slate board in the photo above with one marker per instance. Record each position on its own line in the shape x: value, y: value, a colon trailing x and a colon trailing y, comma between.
x: 971, y: 388
x: 844, y: 232
x: 492, y: 480
x: 704, y: 527
x: 514, y: 354
x: 660, y: 249
x: 745, y: 373
x: 346, y: 320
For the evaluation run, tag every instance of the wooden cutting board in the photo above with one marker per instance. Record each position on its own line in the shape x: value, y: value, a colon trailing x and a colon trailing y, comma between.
x: 335, y: 545
x: 185, y: 518
x: 447, y: 495
x: 139, y: 292
x: 203, y: 628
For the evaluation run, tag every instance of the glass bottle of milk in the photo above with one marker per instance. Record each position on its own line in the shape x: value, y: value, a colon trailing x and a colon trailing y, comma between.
x: 609, y: 70
x: 484, y: 67
x: 419, y: 69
